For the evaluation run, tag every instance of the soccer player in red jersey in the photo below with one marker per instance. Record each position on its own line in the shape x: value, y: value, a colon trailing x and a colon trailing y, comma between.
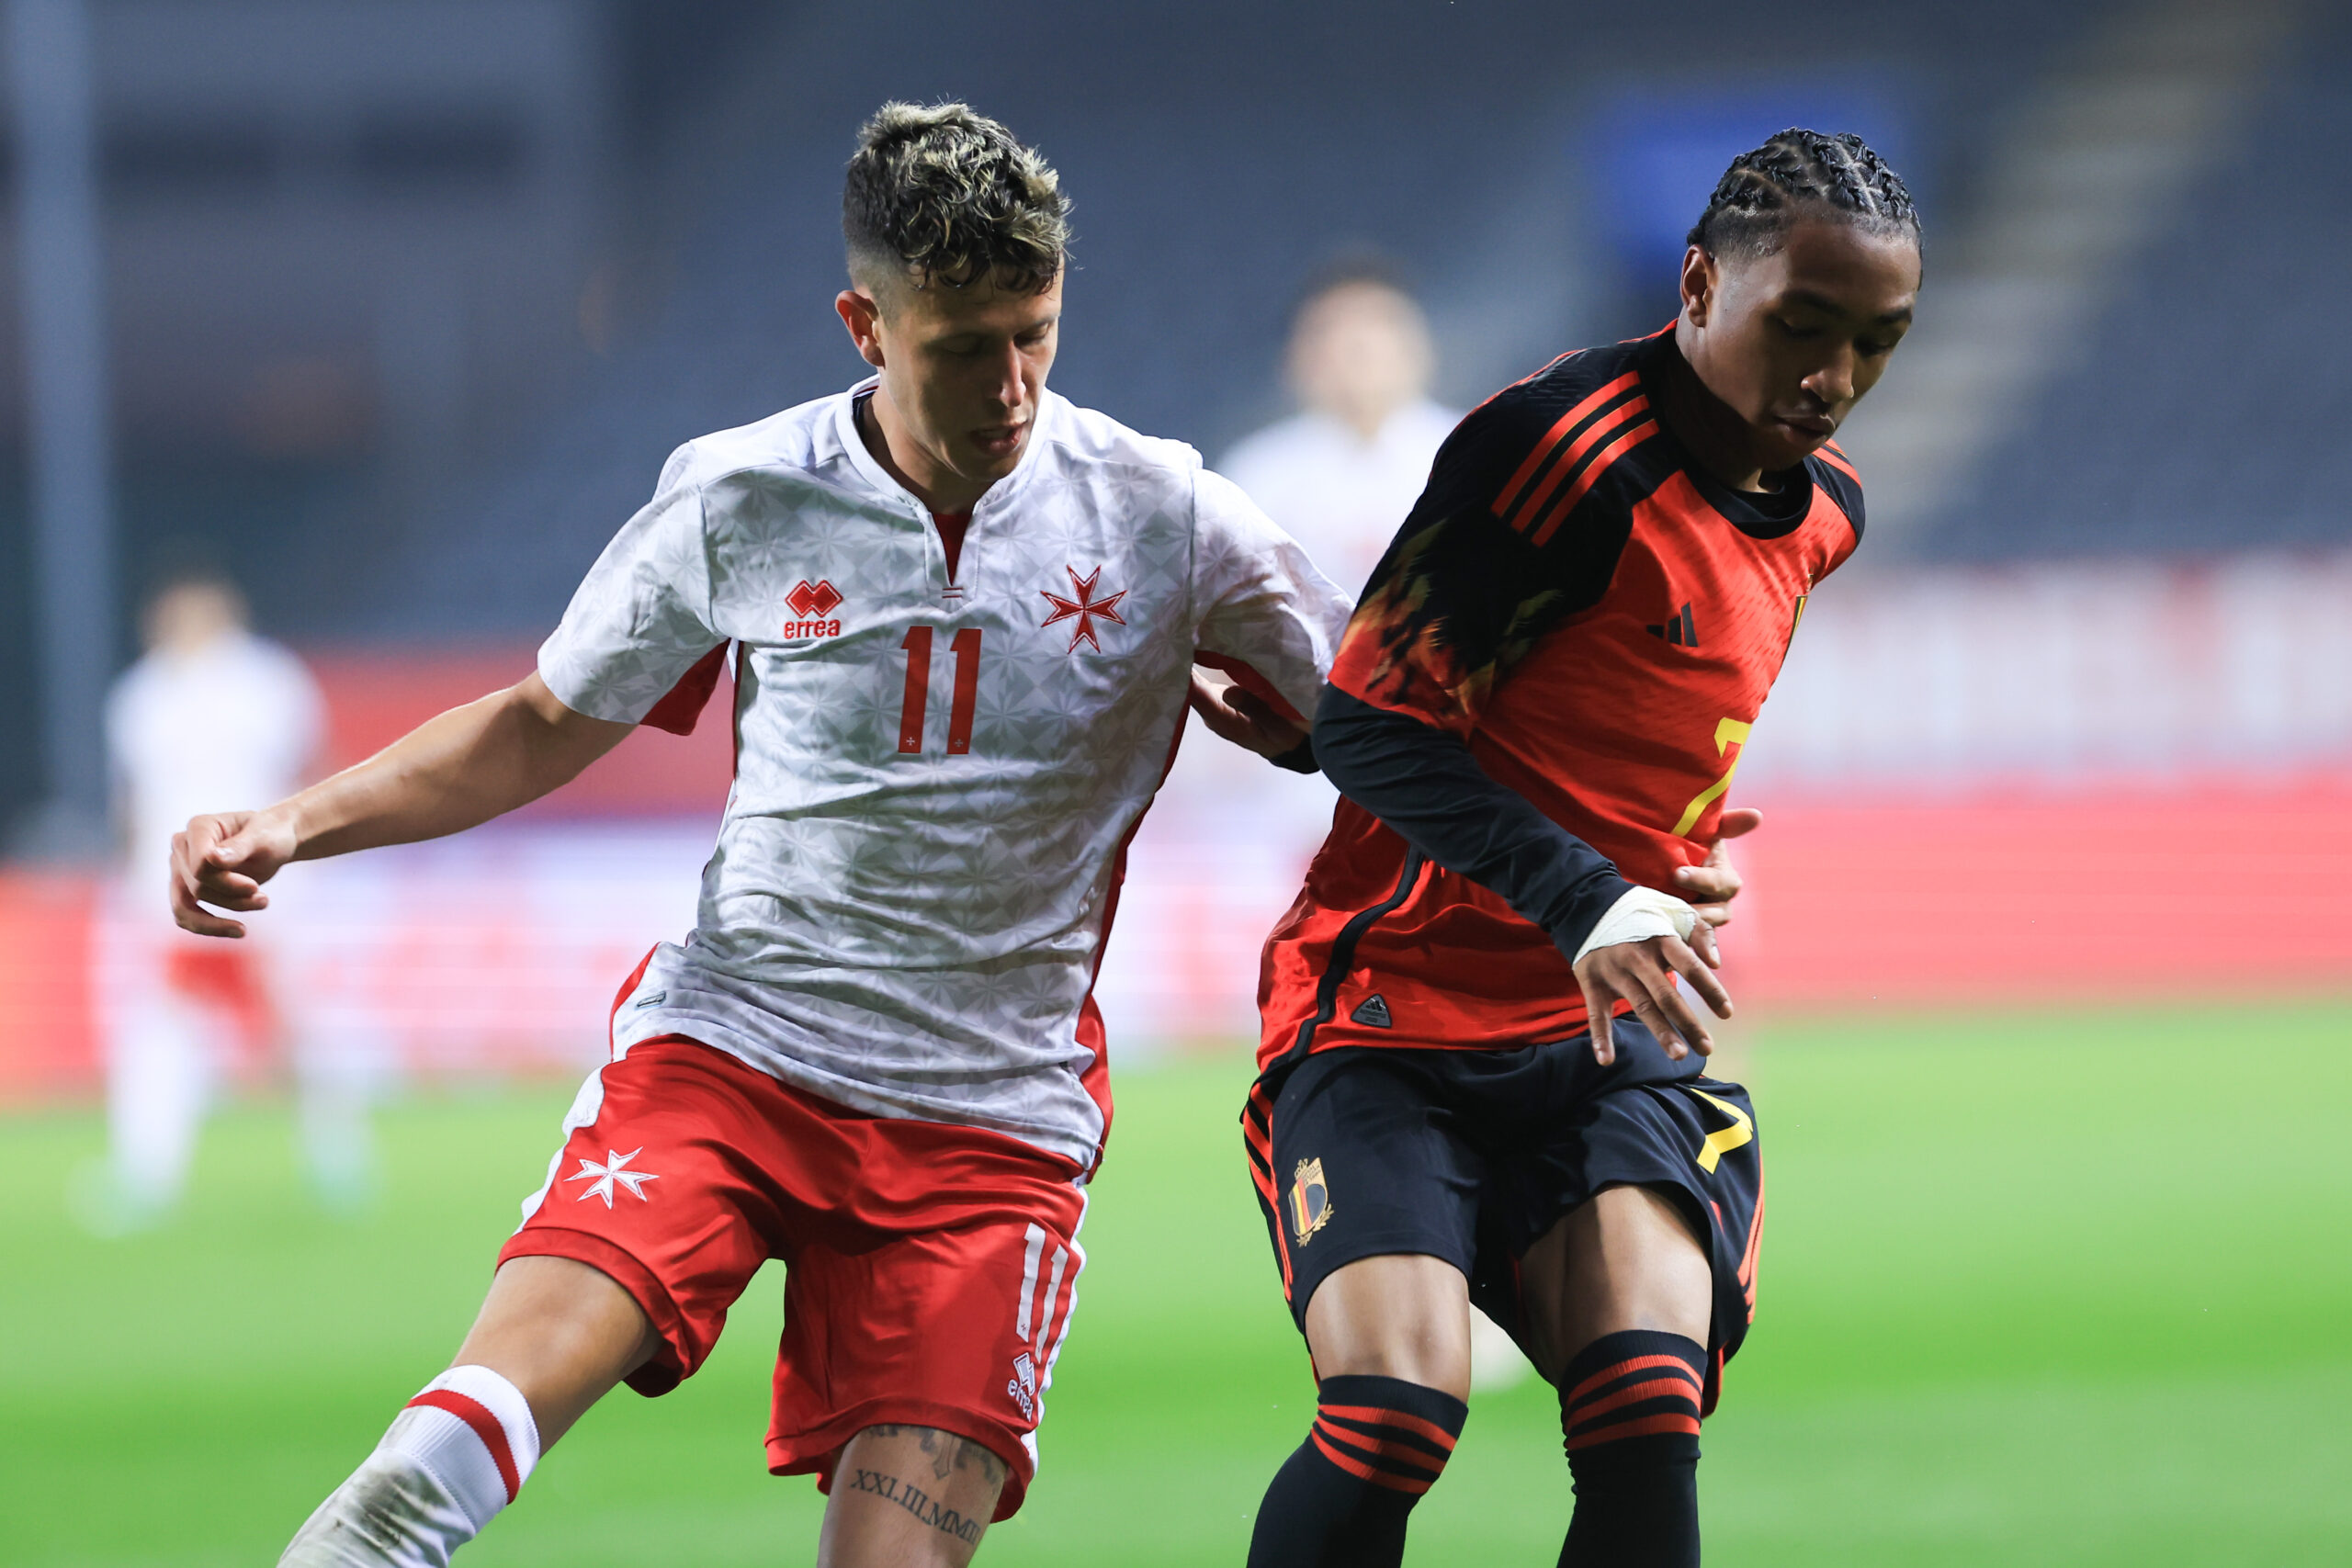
x: 964, y: 616
x: 1481, y: 1074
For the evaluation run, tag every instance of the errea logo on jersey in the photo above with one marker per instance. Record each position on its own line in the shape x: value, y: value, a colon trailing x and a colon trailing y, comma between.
x: 813, y: 602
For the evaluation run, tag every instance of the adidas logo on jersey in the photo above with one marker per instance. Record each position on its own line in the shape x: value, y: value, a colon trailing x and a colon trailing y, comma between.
x: 1374, y: 1011
x: 1680, y: 630
x: 813, y: 602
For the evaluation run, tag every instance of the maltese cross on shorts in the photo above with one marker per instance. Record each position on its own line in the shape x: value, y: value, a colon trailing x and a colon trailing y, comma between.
x: 600, y: 1177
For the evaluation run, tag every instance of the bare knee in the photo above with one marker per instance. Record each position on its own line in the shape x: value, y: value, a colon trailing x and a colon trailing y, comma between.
x: 562, y: 1332
x: 1403, y: 1315
x: 908, y: 1495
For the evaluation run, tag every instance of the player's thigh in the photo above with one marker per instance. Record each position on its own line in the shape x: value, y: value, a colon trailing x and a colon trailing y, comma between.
x: 951, y: 1318
x: 663, y: 1190
x: 1625, y: 1259
x: 562, y: 1333
x: 910, y: 1494
x: 1645, y: 1209
x: 1371, y: 1194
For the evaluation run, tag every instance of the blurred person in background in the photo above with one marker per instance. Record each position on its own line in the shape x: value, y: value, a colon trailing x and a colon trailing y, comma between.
x: 1483, y: 1070
x: 1340, y: 474
x: 210, y: 714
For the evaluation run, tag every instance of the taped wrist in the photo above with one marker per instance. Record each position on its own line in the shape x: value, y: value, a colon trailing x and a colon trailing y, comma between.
x: 1638, y: 915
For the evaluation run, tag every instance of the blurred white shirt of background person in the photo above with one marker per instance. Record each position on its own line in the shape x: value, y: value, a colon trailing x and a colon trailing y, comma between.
x: 211, y: 717
x: 1227, y: 844
x: 1223, y: 852
x: 1341, y: 473
x: 1340, y: 477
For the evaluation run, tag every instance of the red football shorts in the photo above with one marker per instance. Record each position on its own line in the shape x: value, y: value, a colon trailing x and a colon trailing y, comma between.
x: 930, y: 1270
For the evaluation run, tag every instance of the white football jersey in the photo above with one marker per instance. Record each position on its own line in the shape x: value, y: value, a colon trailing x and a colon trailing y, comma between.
x: 935, y: 779
x: 222, y: 725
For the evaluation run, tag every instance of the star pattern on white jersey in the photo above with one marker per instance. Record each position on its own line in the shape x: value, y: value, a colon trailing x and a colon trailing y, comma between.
x: 916, y: 870
x: 1084, y: 608
x: 602, y: 1177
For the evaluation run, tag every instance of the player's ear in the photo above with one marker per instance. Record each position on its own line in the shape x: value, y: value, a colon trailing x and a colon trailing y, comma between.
x: 1699, y: 277
x: 863, y: 316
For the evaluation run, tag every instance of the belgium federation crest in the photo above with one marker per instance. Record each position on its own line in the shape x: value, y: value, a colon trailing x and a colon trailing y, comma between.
x: 1310, y: 1201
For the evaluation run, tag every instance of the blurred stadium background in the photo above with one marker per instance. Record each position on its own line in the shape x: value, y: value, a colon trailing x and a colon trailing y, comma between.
x: 393, y: 307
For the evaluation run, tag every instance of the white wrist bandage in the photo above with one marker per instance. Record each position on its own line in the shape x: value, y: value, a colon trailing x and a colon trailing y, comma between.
x: 1641, y: 914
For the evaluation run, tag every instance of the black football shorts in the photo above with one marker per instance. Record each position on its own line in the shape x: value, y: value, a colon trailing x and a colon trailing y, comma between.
x: 1472, y: 1155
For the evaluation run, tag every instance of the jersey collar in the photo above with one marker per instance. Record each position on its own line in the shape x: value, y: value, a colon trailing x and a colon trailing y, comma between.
x: 863, y: 460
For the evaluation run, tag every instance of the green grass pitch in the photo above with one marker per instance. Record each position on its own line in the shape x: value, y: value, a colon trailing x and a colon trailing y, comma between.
x: 2037, y: 1288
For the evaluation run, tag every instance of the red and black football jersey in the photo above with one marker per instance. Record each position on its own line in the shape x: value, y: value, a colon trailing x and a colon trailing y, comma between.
x: 1596, y: 620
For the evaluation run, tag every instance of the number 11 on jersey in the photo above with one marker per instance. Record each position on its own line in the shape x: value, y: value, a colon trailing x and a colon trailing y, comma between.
x: 966, y: 647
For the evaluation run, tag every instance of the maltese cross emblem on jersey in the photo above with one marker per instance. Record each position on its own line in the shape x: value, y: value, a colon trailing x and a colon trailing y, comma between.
x: 1083, y: 608
x: 601, y: 1178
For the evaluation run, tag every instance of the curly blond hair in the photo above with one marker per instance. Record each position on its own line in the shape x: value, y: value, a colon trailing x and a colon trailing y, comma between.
x: 940, y: 194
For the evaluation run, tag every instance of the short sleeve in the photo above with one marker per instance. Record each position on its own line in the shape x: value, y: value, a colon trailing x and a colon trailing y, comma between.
x: 641, y: 619
x: 1267, y: 615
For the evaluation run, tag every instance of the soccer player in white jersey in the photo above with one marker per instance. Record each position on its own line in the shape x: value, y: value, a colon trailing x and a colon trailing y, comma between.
x: 210, y: 713
x: 963, y: 615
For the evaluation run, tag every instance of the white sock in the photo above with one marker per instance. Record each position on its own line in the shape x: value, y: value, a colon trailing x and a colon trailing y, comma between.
x: 459, y: 1452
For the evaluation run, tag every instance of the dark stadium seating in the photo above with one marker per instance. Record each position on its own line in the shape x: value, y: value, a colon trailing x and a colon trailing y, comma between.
x: 2209, y: 412
x: 1216, y: 153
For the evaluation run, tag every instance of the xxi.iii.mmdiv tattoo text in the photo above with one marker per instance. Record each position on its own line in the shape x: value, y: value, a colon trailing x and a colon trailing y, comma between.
x: 918, y: 1503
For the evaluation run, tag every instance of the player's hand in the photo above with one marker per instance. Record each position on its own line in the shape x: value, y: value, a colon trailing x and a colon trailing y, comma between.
x: 1234, y: 713
x: 223, y: 860
x: 1642, y: 973
x: 1714, y: 883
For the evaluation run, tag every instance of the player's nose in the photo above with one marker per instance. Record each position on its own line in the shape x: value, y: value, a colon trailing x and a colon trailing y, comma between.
x: 1012, y: 388
x: 1833, y: 383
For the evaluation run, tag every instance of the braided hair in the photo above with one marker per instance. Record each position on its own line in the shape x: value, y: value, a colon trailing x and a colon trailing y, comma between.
x: 1796, y: 172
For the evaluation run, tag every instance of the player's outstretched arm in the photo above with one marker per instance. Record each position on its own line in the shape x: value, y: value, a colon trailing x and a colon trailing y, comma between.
x: 449, y: 774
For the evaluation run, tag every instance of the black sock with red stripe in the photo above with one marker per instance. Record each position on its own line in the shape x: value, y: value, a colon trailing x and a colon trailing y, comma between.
x: 1340, y: 1501
x: 1629, y: 1404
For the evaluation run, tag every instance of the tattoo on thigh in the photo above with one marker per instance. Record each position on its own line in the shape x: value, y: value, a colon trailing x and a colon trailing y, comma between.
x: 918, y: 1503
x: 947, y: 1452
x: 976, y: 1456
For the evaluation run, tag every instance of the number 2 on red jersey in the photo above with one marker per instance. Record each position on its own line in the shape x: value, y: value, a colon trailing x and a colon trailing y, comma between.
x: 1731, y: 739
